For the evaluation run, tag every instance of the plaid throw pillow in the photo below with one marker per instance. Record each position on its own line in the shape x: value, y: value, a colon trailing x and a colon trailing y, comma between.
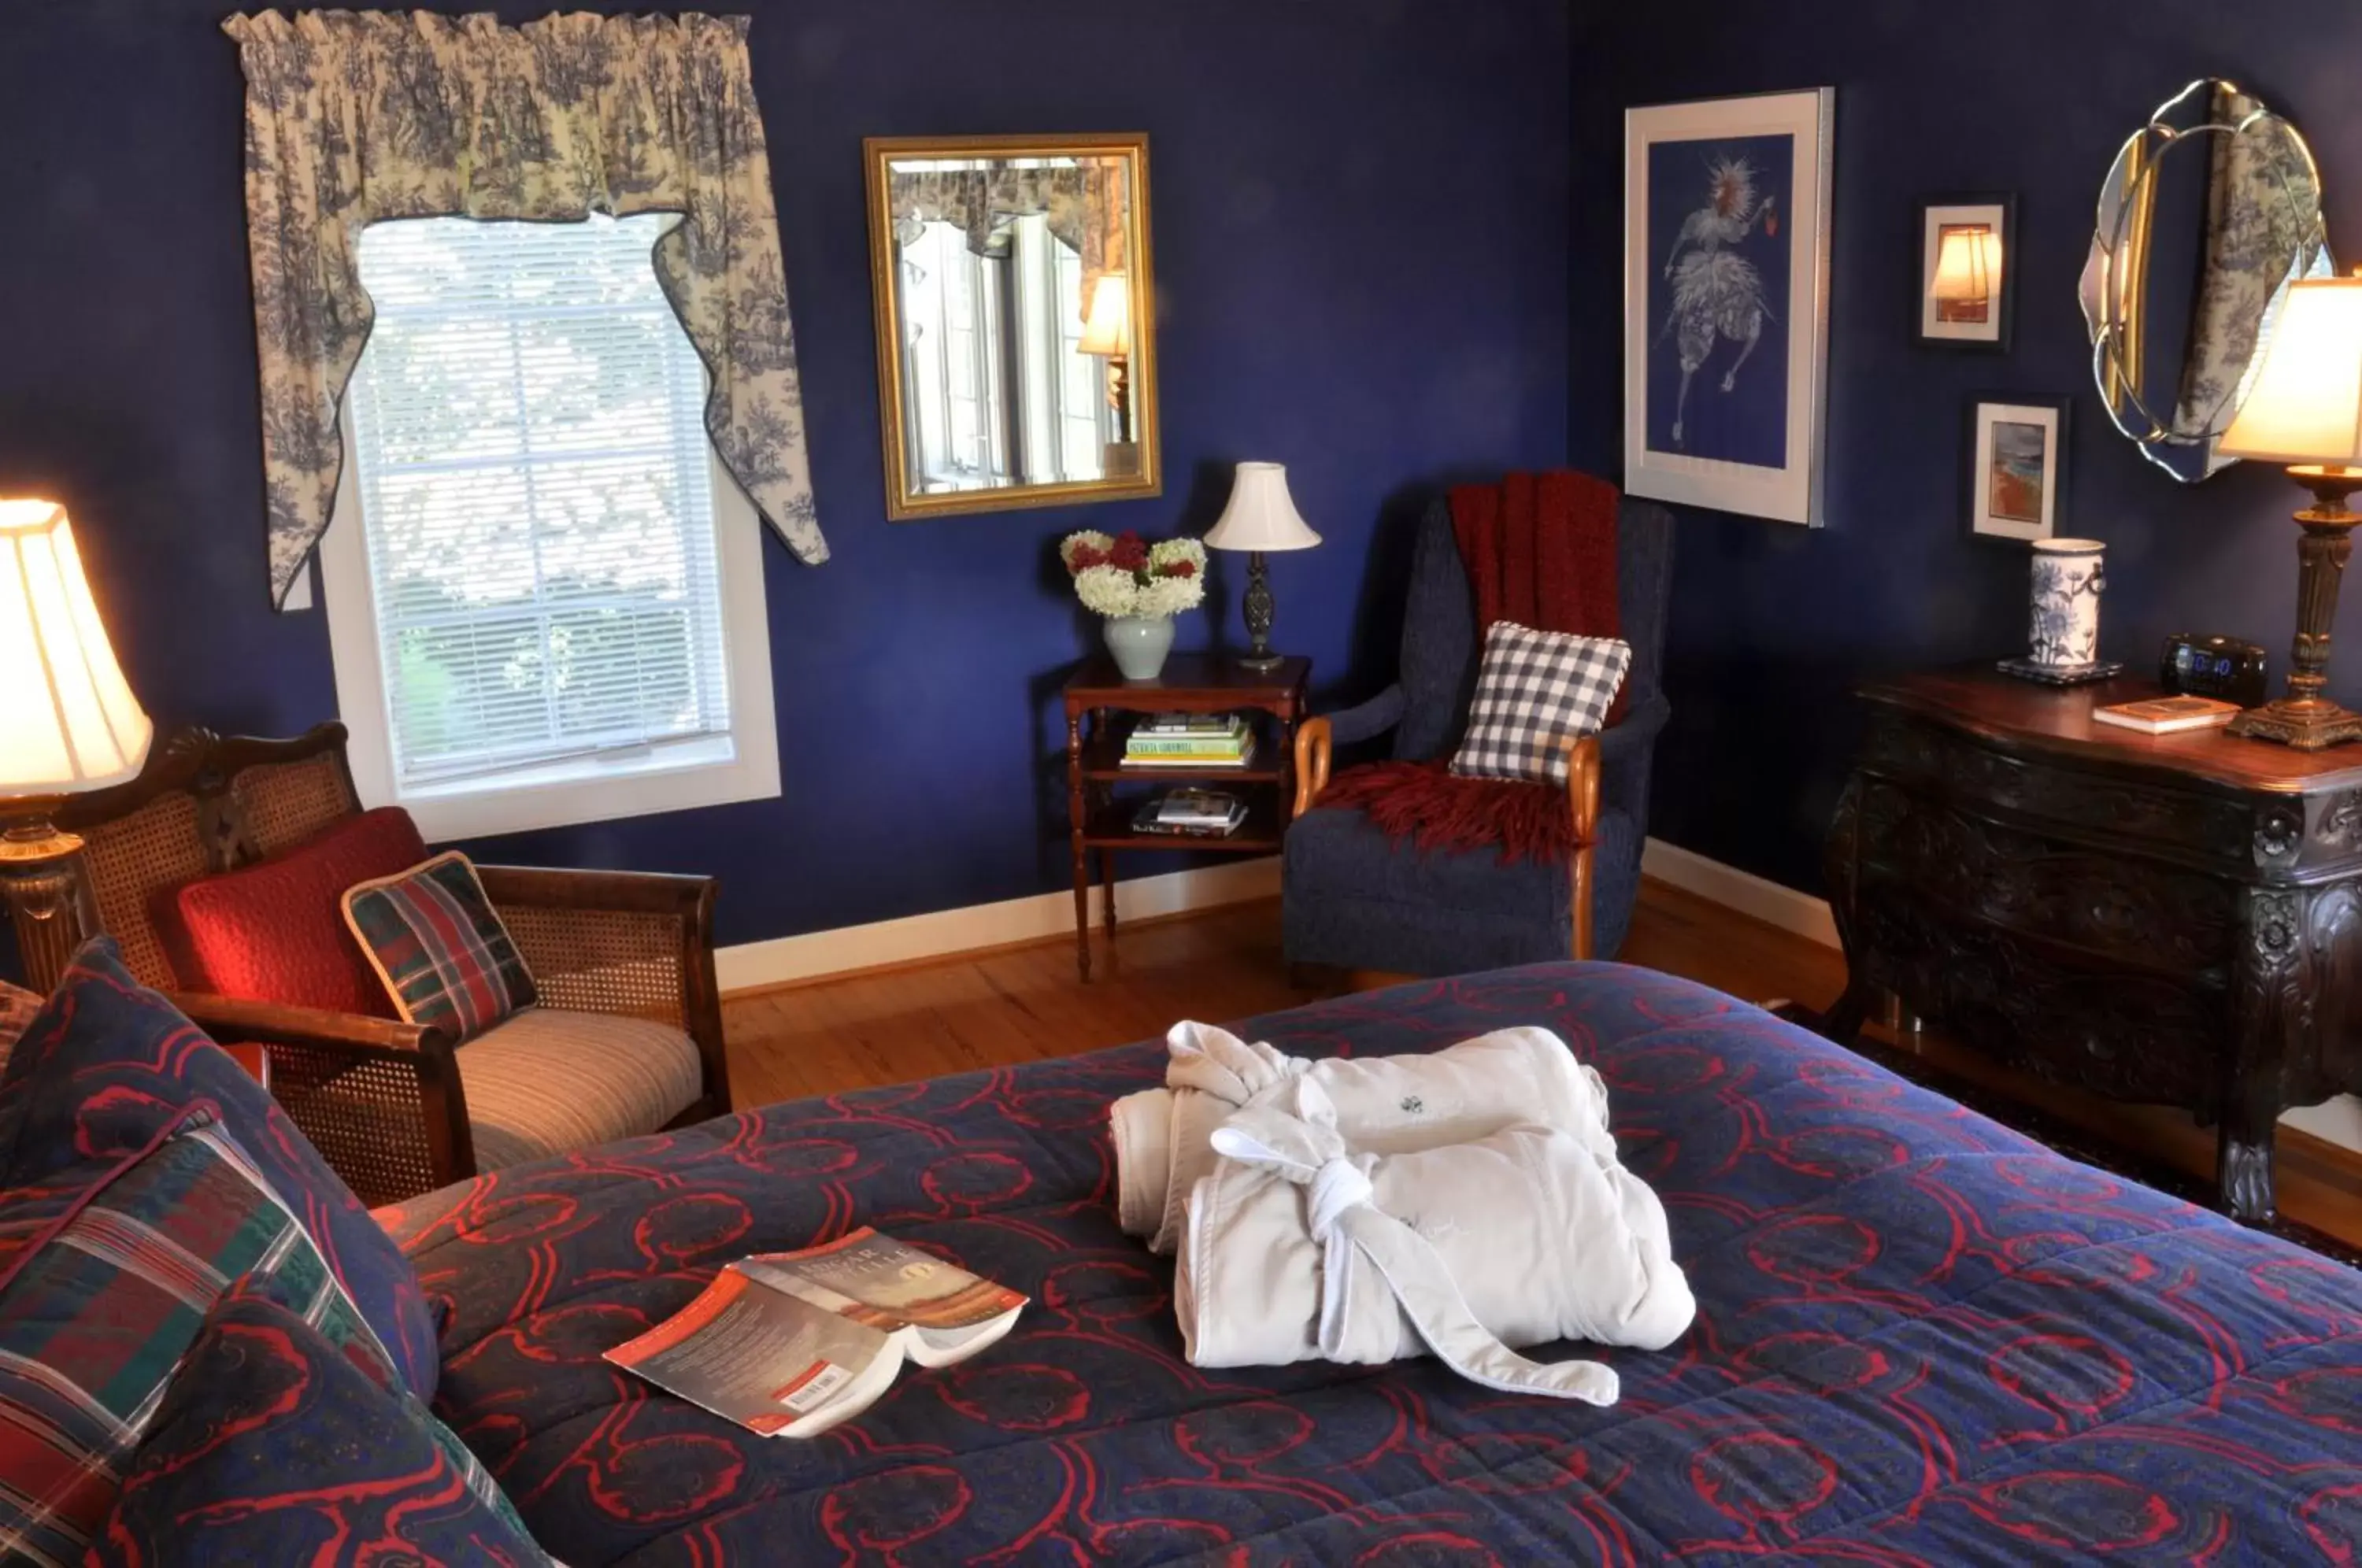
x: 1535, y: 691
x: 434, y: 939
x: 99, y: 1303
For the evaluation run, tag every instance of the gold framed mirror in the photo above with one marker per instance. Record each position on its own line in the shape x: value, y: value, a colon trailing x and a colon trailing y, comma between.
x: 1015, y: 296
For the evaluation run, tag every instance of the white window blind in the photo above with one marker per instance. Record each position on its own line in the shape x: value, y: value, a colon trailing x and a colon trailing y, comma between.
x: 537, y: 495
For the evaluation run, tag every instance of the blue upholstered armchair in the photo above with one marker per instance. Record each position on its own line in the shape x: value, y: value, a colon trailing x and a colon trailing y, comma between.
x: 1354, y: 898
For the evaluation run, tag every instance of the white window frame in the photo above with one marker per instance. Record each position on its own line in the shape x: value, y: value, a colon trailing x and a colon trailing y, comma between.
x: 667, y: 776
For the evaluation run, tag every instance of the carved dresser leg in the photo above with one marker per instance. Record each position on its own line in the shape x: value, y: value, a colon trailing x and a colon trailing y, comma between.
x: 2271, y: 1001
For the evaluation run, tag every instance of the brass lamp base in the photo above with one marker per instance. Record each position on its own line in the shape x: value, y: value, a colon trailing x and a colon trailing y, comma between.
x: 43, y: 894
x: 2304, y: 718
x: 2308, y: 723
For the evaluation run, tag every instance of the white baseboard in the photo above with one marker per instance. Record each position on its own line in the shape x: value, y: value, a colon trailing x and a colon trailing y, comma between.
x: 2335, y: 1121
x: 755, y: 964
x: 1743, y: 891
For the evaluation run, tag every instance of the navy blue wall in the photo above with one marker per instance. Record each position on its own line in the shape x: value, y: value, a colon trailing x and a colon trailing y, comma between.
x: 1361, y: 226
x: 1771, y: 624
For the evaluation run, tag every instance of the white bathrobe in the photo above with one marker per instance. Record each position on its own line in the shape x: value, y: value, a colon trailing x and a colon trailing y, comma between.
x: 1298, y: 1245
x: 1387, y: 1105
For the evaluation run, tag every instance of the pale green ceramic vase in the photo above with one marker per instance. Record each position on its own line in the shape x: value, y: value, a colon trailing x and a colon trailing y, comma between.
x: 1139, y: 644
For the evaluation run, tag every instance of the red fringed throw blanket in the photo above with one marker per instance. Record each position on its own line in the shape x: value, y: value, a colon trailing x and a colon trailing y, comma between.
x: 1540, y: 550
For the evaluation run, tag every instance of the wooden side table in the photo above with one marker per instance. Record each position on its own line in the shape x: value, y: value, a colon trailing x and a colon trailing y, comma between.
x: 1099, y: 819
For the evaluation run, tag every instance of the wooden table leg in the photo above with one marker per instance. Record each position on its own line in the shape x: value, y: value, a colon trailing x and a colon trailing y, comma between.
x: 1077, y: 818
x: 1107, y: 899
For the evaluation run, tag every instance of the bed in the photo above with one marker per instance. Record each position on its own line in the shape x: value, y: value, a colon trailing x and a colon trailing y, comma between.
x: 1921, y: 1339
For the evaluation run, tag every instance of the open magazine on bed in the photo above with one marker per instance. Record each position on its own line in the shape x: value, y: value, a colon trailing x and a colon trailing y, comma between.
x: 788, y: 1344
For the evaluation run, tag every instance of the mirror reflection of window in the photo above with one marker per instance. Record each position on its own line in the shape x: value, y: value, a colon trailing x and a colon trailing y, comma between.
x: 1001, y: 391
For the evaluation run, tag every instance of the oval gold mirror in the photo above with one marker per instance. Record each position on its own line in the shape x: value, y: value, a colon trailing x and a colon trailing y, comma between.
x: 1016, y: 321
x: 2210, y: 212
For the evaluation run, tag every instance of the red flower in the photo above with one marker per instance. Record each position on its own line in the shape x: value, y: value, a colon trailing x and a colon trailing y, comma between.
x: 1130, y: 552
x: 1087, y: 556
x: 1177, y: 568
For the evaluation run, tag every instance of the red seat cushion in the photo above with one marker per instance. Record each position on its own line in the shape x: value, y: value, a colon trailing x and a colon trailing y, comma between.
x: 276, y: 932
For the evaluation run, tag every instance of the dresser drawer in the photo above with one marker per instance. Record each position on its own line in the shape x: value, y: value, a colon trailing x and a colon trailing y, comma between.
x: 2118, y: 907
x: 2187, y: 824
x: 2126, y: 1034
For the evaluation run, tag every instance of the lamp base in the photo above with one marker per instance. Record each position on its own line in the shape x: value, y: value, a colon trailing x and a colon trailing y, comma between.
x: 1259, y: 608
x: 43, y: 892
x: 2308, y: 723
x: 2305, y: 719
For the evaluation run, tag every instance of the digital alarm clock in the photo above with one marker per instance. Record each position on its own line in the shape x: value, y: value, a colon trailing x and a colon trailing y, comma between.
x: 2221, y: 667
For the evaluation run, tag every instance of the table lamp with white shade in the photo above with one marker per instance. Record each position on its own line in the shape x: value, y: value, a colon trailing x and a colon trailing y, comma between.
x: 2305, y: 410
x: 68, y: 722
x: 1260, y: 516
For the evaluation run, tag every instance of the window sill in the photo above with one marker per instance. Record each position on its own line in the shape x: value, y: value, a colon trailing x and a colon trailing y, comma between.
x: 668, y: 779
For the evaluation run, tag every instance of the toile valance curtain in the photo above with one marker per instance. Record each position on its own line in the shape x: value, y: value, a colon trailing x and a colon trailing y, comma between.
x: 352, y: 117
x: 1084, y: 205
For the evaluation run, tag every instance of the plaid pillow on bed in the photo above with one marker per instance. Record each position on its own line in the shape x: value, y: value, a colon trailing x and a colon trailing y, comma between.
x: 434, y: 940
x: 1535, y: 691
x: 17, y: 1007
x: 99, y: 1302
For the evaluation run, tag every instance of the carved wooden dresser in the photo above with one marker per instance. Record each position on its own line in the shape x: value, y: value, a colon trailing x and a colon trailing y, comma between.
x: 2175, y: 919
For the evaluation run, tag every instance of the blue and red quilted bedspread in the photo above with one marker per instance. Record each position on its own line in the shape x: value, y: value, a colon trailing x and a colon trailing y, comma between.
x: 1921, y: 1339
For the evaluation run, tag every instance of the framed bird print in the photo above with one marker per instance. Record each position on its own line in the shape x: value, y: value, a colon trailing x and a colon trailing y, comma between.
x: 1726, y: 303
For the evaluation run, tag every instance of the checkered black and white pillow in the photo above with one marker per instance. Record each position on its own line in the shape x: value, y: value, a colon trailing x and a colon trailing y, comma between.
x: 1535, y: 691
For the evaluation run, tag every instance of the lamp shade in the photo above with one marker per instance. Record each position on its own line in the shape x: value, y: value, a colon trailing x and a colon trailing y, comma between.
x: 1260, y: 515
x: 2306, y: 404
x: 1967, y: 261
x: 1109, y: 329
x: 68, y: 720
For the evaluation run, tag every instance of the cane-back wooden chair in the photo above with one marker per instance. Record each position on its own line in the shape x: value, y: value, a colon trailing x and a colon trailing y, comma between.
x: 625, y: 959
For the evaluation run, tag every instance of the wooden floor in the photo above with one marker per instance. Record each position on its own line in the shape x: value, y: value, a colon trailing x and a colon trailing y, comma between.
x: 1018, y: 1004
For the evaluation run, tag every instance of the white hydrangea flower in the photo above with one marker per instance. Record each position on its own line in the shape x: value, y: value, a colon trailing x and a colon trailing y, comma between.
x: 1107, y: 590
x: 1091, y: 536
x: 1166, y: 551
x: 1170, y: 595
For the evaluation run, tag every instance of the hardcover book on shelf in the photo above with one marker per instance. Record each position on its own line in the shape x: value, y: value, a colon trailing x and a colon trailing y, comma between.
x: 788, y: 1344
x: 1204, y: 813
x: 1237, y: 757
x: 1191, y: 724
x: 2167, y: 715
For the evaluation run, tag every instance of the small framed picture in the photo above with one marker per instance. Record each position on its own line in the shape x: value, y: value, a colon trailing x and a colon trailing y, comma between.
x: 2018, y: 465
x: 1967, y: 273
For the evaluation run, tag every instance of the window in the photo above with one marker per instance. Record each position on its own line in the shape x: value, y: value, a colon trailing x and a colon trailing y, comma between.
x: 545, y: 595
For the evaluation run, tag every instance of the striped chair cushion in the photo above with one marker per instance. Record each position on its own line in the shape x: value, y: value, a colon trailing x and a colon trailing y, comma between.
x: 98, y: 1307
x: 436, y: 941
x: 550, y: 1080
x: 328, y: 1457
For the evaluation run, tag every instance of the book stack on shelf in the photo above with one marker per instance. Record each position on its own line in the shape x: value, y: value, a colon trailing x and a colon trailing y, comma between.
x: 1190, y: 740
x: 1191, y: 813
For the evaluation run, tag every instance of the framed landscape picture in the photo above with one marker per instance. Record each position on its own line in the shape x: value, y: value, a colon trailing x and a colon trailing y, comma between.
x: 1725, y: 301
x: 2018, y: 465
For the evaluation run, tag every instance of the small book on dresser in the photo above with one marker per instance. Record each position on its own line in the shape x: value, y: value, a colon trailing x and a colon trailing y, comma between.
x: 2167, y: 715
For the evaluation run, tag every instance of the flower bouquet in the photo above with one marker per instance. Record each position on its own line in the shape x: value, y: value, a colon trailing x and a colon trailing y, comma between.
x: 1139, y: 587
